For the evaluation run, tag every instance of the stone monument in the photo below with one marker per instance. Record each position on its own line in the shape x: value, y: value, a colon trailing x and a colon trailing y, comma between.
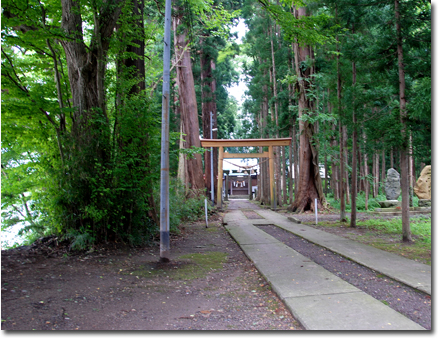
x: 423, y: 187
x: 392, y: 188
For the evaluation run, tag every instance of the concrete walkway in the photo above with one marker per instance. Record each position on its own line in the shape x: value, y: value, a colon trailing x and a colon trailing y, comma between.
x: 317, y: 298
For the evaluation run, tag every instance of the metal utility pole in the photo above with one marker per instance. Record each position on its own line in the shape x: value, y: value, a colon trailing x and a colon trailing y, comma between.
x: 164, y: 165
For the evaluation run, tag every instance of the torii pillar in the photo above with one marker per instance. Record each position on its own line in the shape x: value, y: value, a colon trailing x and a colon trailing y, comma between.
x: 219, y: 196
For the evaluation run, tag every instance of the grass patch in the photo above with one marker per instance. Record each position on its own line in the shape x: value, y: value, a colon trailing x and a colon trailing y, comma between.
x: 386, y: 234
x: 191, y: 266
x: 420, y: 227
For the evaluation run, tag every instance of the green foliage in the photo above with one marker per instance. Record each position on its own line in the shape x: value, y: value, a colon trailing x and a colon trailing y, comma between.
x: 190, y: 152
x: 372, y: 203
x: 182, y: 207
x: 90, y: 181
x: 307, y: 30
x: 80, y: 239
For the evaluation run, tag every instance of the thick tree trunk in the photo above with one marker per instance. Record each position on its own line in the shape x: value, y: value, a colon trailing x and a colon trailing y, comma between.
x: 296, y: 159
x: 188, y: 104
x: 406, y: 232
x: 89, y: 152
x: 310, y: 184
x: 86, y: 69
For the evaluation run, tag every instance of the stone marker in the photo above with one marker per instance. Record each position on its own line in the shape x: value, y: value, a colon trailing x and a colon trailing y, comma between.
x: 424, y: 202
x: 423, y: 185
x: 392, y: 187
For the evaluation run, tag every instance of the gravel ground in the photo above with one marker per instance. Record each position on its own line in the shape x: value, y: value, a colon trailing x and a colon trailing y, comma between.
x: 404, y: 299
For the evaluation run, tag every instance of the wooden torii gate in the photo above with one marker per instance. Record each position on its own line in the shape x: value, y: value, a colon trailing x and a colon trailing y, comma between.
x: 221, y: 143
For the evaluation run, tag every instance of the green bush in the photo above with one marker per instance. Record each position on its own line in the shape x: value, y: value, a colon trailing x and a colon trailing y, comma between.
x: 181, y: 207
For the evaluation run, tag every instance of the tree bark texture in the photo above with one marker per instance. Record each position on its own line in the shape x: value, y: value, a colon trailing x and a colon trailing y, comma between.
x: 354, y: 156
x: 366, y: 173
x: 275, y: 119
x: 89, y: 149
x: 208, y: 106
x: 342, y: 184
x: 310, y: 184
x: 334, y: 166
x: 406, y: 232
x: 86, y: 66
x: 265, y: 196
x: 188, y: 103
x: 346, y: 161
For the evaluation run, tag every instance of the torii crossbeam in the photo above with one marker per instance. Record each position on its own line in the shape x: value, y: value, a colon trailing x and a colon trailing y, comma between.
x: 221, y: 143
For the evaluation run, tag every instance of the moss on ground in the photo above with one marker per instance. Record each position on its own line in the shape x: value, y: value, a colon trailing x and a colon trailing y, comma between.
x: 187, y: 267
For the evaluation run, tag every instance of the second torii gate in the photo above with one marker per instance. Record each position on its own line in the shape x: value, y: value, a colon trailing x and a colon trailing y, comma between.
x: 221, y: 143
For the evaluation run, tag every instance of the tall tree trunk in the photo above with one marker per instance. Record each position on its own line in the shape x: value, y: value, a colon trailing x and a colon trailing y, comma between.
x: 375, y: 172
x: 412, y: 180
x: 391, y: 157
x: 406, y: 232
x: 188, y: 103
x: 335, y: 168
x: 182, y: 167
x: 290, y: 158
x: 361, y: 168
x: 366, y: 173
x: 346, y: 161
x: 296, y: 159
x: 341, y: 145
x: 208, y: 106
x: 383, y: 166
x: 310, y: 183
x: 266, y: 199
x: 277, y: 151
x: 89, y: 154
x: 354, y: 155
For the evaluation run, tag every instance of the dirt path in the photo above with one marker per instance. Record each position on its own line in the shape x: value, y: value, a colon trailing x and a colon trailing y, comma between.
x: 209, y: 285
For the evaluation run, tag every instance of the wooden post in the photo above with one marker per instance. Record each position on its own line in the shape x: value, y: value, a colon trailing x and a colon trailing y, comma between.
x: 227, y: 188
x: 250, y: 193
x: 271, y: 165
x: 220, y: 176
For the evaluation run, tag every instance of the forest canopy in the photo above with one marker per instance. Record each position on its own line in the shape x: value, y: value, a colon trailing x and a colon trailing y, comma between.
x: 81, y: 105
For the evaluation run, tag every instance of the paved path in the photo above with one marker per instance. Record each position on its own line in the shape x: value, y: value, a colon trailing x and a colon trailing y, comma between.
x: 317, y: 298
